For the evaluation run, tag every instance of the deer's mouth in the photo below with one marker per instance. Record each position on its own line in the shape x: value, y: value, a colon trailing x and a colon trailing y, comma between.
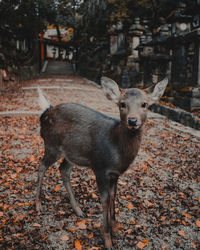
x: 134, y: 127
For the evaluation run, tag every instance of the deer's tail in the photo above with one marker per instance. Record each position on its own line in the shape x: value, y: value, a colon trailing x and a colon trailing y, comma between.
x: 43, y: 101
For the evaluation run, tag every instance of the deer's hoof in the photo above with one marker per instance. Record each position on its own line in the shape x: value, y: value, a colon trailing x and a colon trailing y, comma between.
x: 83, y: 216
x: 38, y: 205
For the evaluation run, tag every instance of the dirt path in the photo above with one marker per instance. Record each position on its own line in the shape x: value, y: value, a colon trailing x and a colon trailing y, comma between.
x: 158, y: 198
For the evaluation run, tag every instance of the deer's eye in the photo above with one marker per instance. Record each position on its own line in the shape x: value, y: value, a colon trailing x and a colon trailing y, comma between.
x: 144, y: 105
x: 122, y: 105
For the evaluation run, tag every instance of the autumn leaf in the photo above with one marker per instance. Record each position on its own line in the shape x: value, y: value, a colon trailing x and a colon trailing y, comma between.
x: 141, y: 245
x: 129, y: 197
x: 198, y: 223
x: 18, y: 170
x: 91, y: 236
x: 82, y: 224
x: 57, y: 188
x: 32, y: 158
x: 149, y: 204
x: 78, y: 245
x: 145, y: 168
x: 72, y: 229
x: 36, y: 225
x: 130, y: 206
x: 97, y: 224
x: 146, y: 241
x: 1, y: 214
x: 187, y: 215
x: 94, y: 196
x: 65, y: 237
x: 181, y: 233
x: 194, y: 245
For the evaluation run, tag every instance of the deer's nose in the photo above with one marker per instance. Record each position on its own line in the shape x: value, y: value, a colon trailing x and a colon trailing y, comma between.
x: 132, y: 121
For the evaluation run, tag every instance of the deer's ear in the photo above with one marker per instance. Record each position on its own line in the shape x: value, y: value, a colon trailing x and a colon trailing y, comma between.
x: 110, y: 89
x: 155, y: 92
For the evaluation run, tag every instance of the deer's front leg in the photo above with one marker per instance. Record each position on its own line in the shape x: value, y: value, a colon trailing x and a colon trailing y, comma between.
x: 107, y: 189
x: 113, y: 188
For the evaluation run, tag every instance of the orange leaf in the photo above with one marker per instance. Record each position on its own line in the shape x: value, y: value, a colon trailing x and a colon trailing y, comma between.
x: 187, y: 215
x: 78, y: 245
x: 198, y: 223
x: 18, y: 170
x: 91, y: 236
x: 94, y: 196
x: 180, y: 232
x: 56, y: 188
x: 96, y: 225
x: 129, y: 197
x: 183, y: 222
x: 32, y: 158
x: 130, y: 206
x: 73, y: 230
x: 1, y: 214
x: 36, y: 225
x: 64, y: 237
x: 199, y: 199
x: 149, y: 204
x: 145, y: 168
x: 141, y: 245
x: 146, y: 241
x: 81, y: 224
x: 194, y: 245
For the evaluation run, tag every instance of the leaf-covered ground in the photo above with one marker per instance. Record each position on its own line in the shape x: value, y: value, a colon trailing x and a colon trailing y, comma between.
x: 158, y: 198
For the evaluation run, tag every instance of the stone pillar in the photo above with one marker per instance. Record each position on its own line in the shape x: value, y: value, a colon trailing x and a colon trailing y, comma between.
x: 198, y: 70
x: 1, y: 78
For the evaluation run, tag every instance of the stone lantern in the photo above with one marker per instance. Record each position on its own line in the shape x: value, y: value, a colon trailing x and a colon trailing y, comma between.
x: 180, y: 22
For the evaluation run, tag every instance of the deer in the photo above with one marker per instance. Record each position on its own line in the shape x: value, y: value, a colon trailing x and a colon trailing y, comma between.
x: 85, y: 137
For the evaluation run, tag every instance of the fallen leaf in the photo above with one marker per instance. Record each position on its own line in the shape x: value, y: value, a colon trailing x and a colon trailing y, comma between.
x: 184, y: 223
x: 36, y: 225
x: 130, y: 206
x: 141, y: 245
x: 187, y: 215
x: 198, y: 223
x: 78, y: 245
x: 1, y: 214
x: 194, y: 245
x: 145, y: 168
x: 96, y: 225
x: 91, y: 236
x: 18, y: 170
x: 65, y: 237
x: 82, y: 224
x: 72, y: 229
x: 57, y: 188
x: 181, y: 232
x: 149, y: 204
x: 94, y: 196
x: 146, y: 241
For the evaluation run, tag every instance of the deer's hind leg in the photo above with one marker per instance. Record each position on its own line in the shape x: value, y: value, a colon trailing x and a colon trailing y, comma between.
x: 65, y: 170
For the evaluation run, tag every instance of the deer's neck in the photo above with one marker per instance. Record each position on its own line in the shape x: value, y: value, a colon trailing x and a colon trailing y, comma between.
x: 128, y: 143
